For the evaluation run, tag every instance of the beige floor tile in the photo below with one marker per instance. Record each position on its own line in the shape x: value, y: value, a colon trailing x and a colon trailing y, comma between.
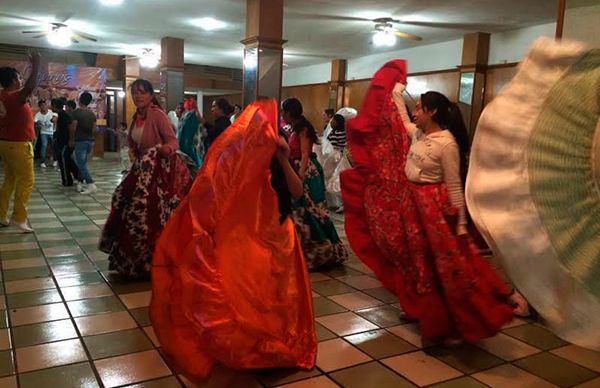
x: 411, y: 334
x: 362, y: 282
x: 37, y: 314
x: 152, y: 335
x: 315, y: 382
x: 105, y: 323
x: 86, y: 292
x: 23, y: 263
x: 4, y: 339
x: 356, y: 301
x: 359, y: 266
x: 506, y: 347
x: 317, y: 277
x: 137, y: 299
x: 131, y: 368
x: 18, y: 246
x: 510, y: 376
x: 29, y: 285
x: 222, y: 377
x: 581, y: 356
x: 8, y: 382
x: 62, y: 251
x: 421, y: 368
x: 53, y: 236
x: 514, y: 323
x: 50, y: 355
x: 337, y: 354
x: 346, y: 323
x: 2, y: 301
x: 87, y: 240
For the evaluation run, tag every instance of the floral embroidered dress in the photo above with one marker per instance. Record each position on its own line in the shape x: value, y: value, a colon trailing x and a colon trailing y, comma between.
x: 405, y: 231
x: 143, y: 202
x: 320, y: 242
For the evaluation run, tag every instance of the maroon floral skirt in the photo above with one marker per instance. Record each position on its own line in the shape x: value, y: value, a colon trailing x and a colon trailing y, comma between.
x: 141, y: 206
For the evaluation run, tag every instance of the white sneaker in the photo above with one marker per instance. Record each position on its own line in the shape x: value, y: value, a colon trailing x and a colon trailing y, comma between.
x: 24, y: 227
x: 79, y: 187
x: 54, y: 164
x: 43, y: 165
x: 91, y: 189
x: 5, y: 222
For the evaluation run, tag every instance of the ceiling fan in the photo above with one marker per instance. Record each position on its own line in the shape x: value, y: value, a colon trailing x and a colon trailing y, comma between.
x: 385, y: 33
x: 148, y: 57
x: 57, y: 33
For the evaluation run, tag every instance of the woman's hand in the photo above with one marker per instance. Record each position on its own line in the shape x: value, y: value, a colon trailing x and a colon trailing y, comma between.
x: 164, y: 150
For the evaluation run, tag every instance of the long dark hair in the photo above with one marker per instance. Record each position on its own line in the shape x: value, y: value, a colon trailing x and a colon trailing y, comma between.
x: 147, y: 87
x: 448, y: 116
x: 225, y: 106
x: 293, y: 106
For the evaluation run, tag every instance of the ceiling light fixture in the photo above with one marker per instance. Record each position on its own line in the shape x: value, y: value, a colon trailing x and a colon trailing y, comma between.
x: 149, y: 58
x: 120, y: 94
x: 384, y: 35
x: 59, y: 36
x: 210, y: 24
x: 111, y: 3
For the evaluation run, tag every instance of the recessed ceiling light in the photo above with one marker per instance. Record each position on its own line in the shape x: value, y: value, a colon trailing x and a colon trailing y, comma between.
x: 59, y: 36
x: 210, y: 24
x: 111, y: 2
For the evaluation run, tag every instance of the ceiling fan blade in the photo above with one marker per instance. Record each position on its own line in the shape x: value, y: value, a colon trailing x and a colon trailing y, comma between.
x: 39, y: 36
x: 6, y: 15
x: 85, y: 36
x: 32, y: 32
x: 74, y: 40
x: 307, y: 16
x: 406, y: 35
x: 67, y: 17
x: 453, y: 26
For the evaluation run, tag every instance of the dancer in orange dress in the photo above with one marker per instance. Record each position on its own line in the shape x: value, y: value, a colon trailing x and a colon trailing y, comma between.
x: 229, y: 280
x: 411, y: 230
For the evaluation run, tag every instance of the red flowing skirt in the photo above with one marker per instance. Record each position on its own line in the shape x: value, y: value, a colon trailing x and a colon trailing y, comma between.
x: 229, y: 280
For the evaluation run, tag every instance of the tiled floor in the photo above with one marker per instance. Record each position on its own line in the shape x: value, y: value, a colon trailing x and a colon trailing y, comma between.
x: 66, y: 322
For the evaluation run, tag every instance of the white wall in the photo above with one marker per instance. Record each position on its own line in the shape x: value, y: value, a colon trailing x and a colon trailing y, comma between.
x: 314, y: 74
x: 432, y: 57
x: 511, y: 46
x: 583, y: 24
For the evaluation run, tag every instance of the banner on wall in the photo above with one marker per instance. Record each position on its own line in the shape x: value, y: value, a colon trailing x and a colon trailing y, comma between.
x: 57, y: 80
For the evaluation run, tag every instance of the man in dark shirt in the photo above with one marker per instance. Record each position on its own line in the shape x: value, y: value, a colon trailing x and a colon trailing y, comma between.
x: 81, y: 137
x: 68, y: 168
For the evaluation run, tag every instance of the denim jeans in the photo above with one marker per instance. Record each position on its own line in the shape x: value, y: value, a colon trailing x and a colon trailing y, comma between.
x: 82, y: 151
x: 44, y: 139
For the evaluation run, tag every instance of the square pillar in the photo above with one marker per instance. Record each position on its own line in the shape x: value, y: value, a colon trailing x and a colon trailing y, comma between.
x: 171, y: 72
x: 263, y: 50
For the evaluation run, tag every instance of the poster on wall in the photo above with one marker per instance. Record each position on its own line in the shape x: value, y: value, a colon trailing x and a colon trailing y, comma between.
x: 57, y: 80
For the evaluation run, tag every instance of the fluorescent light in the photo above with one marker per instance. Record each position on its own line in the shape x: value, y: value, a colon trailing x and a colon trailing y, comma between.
x: 111, y: 3
x: 59, y: 36
x: 384, y: 37
x: 210, y: 24
x: 149, y: 58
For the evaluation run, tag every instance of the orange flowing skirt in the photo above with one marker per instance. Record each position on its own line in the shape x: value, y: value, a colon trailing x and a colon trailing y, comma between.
x: 229, y: 280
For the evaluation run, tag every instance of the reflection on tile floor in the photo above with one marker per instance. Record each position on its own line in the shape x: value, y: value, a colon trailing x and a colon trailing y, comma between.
x: 65, y: 321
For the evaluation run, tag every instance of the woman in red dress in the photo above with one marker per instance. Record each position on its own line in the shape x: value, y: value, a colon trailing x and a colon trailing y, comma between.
x: 405, y: 216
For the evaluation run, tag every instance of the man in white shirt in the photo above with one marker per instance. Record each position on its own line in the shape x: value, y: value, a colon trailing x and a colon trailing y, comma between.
x: 44, y: 119
x: 175, y: 117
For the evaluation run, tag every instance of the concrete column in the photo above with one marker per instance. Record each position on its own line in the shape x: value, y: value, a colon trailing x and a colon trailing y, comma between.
x: 263, y: 51
x: 171, y: 72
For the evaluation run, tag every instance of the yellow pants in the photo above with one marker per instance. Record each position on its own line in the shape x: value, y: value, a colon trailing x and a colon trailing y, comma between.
x: 17, y: 159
